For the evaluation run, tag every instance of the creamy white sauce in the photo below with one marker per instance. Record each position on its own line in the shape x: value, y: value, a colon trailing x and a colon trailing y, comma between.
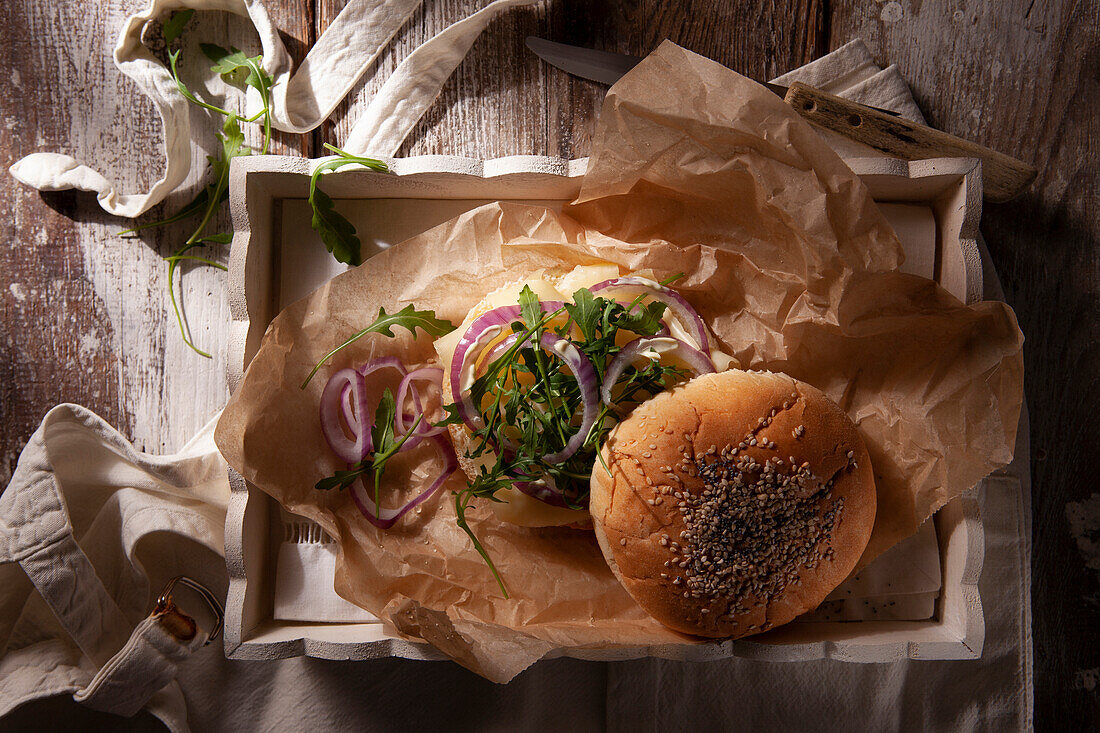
x: 723, y: 361
x: 565, y: 350
x: 677, y: 330
x: 645, y: 281
x: 467, y: 375
x: 659, y: 345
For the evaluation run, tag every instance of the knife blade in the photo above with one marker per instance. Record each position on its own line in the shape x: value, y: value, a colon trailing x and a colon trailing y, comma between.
x: 1003, y: 177
x: 606, y: 67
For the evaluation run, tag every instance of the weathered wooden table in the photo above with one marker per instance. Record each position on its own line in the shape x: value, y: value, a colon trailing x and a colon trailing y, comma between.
x: 86, y: 316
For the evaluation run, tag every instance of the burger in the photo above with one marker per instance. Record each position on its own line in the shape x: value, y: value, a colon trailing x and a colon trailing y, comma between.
x: 725, y: 501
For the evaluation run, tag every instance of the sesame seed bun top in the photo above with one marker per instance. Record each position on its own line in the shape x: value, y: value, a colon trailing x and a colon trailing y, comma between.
x: 734, y: 502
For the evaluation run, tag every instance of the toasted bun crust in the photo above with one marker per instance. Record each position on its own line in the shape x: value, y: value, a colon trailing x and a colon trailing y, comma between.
x: 705, y: 537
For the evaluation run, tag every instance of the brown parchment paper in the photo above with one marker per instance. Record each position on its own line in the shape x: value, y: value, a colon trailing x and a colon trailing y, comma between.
x: 695, y: 169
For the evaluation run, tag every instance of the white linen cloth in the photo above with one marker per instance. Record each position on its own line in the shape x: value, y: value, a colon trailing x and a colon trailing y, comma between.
x: 141, y: 519
x: 299, y: 103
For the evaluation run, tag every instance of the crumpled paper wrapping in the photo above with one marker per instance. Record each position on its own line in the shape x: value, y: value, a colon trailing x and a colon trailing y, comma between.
x: 786, y: 258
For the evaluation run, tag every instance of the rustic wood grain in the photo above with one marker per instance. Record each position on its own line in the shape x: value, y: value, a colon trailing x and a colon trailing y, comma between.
x: 1021, y: 77
x: 56, y: 336
x: 84, y: 315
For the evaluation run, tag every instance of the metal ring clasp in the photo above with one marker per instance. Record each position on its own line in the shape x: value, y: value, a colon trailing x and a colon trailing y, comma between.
x: 202, y: 590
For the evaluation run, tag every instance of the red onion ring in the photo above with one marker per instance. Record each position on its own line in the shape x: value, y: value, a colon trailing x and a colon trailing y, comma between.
x: 694, y: 358
x: 586, y: 377
x: 345, y: 395
x: 673, y: 300
x: 500, y: 347
x: 544, y: 489
x: 384, y: 518
x: 349, y: 410
x: 383, y: 362
x: 426, y: 374
x: 349, y: 450
x: 501, y: 318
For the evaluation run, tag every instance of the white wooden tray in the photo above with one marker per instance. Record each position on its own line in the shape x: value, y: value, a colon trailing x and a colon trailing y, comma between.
x: 276, y: 259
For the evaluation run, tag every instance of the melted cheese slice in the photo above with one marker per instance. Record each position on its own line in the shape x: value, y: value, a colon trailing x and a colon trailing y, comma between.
x: 543, y: 287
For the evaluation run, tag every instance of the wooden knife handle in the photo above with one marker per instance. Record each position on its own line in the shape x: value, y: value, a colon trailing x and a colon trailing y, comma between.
x: 1004, y: 177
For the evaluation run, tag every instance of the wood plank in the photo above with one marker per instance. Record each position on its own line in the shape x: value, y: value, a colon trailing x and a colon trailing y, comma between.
x: 86, y: 315
x: 759, y: 39
x: 57, y: 340
x: 503, y: 101
x: 1020, y: 76
x: 493, y: 104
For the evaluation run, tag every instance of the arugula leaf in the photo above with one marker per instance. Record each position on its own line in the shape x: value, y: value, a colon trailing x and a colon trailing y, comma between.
x: 235, y: 67
x: 173, y: 60
x: 411, y: 319
x: 173, y: 27
x: 462, y: 501
x: 342, y: 479
x: 454, y: 417
x: 226, y: 60
x: 585, y: 312
x: 382, y: 430
x: 382, y: 435
x: 241, y: 70
x: 386, y: 447
x: 224, y: 238
x: 672, y: 278
x: 644, y: 320
x: 337, y: 233
x: 192, y: 208
x: 232, y: 140
x: 378, y: 463
x: 529, y: 307
x: 408, y: 318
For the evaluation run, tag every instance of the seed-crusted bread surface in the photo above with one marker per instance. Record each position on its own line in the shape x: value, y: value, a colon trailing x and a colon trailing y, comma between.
x: 735, y: 502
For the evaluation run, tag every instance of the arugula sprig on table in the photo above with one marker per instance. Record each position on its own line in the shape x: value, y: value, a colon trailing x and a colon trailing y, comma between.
x: 243, y: 71
x: 239, y: 70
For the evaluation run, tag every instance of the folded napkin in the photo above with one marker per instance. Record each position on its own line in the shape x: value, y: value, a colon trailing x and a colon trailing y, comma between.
x: 304, y: 571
